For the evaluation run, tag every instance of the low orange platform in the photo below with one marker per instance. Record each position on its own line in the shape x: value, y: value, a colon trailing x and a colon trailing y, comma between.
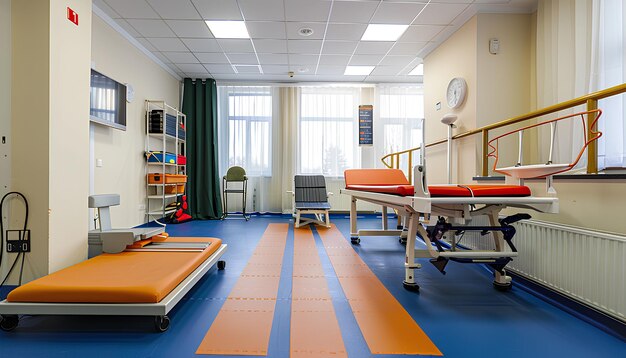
x: 127, y: 277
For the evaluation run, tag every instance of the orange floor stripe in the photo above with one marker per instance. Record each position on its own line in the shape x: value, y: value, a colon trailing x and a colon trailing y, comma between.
x: 386, y: 326
x: 314, y: 328
x: 252, y: 300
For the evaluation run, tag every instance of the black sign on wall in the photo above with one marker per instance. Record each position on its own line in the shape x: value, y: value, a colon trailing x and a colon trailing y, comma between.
x: 366, y: 121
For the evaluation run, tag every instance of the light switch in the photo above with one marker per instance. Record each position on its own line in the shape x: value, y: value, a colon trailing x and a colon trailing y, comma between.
x: 98, y: 163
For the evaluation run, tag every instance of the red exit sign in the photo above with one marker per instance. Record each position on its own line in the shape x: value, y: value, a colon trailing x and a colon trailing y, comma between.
x: 72, y: 16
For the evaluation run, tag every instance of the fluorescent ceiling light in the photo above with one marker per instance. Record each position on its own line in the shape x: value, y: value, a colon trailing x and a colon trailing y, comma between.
x: 418, y: 70
x: 228, y: 29
x: 358, y: 70
x: 380, y: 32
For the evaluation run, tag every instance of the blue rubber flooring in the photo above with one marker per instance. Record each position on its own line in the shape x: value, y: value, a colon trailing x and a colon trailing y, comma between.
x: 461, y: 312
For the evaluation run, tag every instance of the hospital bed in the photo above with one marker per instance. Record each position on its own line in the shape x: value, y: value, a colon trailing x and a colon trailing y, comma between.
x: 438, y: 213
x: 139, y: 273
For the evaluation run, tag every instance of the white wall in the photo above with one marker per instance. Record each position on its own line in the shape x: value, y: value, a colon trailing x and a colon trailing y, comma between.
x: 122, y: 152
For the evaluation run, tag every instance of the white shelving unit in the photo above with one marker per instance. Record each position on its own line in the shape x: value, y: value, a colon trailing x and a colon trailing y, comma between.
x: 159, y: 196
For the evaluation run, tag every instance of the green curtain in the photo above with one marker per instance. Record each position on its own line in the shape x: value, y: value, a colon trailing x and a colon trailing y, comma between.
x: 203, y: 185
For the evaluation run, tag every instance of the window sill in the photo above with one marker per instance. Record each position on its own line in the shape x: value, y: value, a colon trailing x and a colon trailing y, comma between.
x: 600, y: 176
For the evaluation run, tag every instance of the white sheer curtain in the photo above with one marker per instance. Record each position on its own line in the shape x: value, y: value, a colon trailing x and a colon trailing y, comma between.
x: 608, y: 62
x: 249, y: 136
x: 398, y: 114
x: 327, y: 130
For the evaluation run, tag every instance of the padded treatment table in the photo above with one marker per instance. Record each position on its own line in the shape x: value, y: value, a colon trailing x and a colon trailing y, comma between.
x: 134, y: 283
x: 457, y: 203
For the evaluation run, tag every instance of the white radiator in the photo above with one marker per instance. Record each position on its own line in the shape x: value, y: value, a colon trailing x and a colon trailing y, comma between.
x: 586, y: 265
x: 340, y: 202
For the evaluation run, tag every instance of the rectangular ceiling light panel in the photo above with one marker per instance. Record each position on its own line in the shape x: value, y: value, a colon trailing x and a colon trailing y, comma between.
x: 228, y: 29
x: 358, y: 70
x: 382, y: 32
x: 418, y: 70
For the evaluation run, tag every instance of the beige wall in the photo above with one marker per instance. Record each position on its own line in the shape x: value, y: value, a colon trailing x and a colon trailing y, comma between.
x: 5, y: 96
x: 121, y: 152
x: 70, y: 53
x: 50, y: 108
x: 457, y: 57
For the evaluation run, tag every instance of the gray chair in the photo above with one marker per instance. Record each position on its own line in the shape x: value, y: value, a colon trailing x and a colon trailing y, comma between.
x: 311, y: 197
x: 237, y: 177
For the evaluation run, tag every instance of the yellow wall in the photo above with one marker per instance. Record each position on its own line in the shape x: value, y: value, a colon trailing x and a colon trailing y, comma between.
x: 456, y: 57
x: 121, y: 152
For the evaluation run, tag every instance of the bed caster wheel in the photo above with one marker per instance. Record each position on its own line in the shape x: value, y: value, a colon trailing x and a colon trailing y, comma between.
x: 502, y: 287
x: 413, y: 287
x: 399, y: 227
x: 355, y: 240
x: 402, y: 241
x: 9, y: 322
x: 161, y: 323
x: 221, y: 265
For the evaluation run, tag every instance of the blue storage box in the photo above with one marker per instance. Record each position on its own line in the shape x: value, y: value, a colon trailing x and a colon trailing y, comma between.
x: 157, y: 157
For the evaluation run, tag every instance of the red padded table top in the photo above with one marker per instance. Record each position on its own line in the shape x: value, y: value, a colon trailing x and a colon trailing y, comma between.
x: 393, y: 181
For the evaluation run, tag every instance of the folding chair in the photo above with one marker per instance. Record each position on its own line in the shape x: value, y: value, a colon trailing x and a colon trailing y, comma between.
x: 235, y: 175
x: 311, y: 197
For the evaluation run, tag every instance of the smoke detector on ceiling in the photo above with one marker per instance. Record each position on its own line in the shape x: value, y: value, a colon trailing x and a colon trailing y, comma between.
x: 305, y: 31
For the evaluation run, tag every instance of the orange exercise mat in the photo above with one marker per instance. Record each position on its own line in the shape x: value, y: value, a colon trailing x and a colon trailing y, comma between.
x: 314, y: 328
x: 244, y: 323
x: 386, y: 326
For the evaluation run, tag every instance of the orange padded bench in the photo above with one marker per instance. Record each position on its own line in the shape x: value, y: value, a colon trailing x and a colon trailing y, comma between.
x: 393, y: 181
x: 127, y: 277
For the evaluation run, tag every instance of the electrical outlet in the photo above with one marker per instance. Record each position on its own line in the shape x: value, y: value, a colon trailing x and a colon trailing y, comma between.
x: 18, y: 240
x: 142, y: 207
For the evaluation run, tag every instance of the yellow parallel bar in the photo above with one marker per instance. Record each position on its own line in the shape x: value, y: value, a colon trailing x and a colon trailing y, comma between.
x: 485, y: 162
x: 592, y: 149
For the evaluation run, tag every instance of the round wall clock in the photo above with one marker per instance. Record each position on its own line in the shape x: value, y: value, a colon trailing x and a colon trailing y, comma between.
x: 457, y: 90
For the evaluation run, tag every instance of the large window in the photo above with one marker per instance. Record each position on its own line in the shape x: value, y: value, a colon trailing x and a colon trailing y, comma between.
x: 399, y: 119
x: 246, y: 121
x: 328, y: 130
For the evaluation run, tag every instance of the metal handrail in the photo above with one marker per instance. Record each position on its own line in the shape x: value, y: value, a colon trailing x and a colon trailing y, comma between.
x: 592, y: 157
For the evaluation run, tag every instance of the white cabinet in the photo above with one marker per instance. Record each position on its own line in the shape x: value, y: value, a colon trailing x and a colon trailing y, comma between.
x: 166, y: 169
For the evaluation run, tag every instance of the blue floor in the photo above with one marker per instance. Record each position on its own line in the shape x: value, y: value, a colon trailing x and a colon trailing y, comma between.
x: 461, y: 312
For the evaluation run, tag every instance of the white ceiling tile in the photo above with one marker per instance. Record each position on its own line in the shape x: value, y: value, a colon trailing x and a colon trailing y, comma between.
x: 396, y: 13
x: 297, y: 60
x: 218, y: 9
x: 236, y: 45
x: 396, y: 60
x: 275, y: 69
x: 420, y: 33
x: 386, y: 71
x: 407, y: 48
x: 190, y: 28
x: 443, y: 1
x: 345, y: 31
x: 211, y: 57
x: 242, y: 58
x: 161, y: 57
x: 397, y: 79
x: 304, y: 46
x: 220, y: 68
x: 353, y: 11
x: 202, y: 45
x: 151, y: 28
x: 262, y: 10
x: 273, y: 59
x: 317, y: 27
x: 133, y: 9
x: 307, y: 10
x: 330, y: 70
x: 191, y: 67
x: 266, y: 29
x: 365, y: 60
x: 179, y: 9
x: 181, y: 57
x: 337, y: 60
x: 163, y: 44
x: 338, y: 47
x: 373, y: 47
x: 270, y: 46
x: 106, y: 8
x: 147, y: 44
x: 248, y: 69
x: 128, y: 28
x: 353, y: 78
x: 440, y: 14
